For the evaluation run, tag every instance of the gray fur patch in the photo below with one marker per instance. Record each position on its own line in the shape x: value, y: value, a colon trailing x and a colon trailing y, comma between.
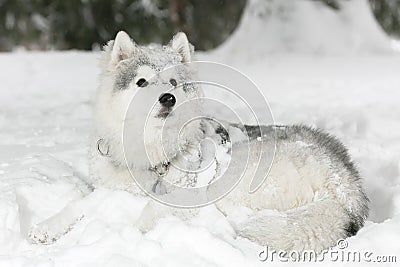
x: 352, y: 228
x: 340, y: 158
x: 156, y: 57
x: 327, y: 145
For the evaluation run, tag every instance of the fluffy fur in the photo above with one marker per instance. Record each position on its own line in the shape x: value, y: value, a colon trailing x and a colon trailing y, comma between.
x: 313, y: 187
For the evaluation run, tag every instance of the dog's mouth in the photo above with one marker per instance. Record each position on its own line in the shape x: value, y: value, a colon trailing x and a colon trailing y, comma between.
x: 164, y: 113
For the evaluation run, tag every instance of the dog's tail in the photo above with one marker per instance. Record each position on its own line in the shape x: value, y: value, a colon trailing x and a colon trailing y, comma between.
x: 316, y: 226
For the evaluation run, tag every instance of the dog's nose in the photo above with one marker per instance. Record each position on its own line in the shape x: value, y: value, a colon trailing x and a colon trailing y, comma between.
x: 167, y: 100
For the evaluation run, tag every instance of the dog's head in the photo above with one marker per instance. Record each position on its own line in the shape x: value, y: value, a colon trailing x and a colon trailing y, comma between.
x: 158, y: 75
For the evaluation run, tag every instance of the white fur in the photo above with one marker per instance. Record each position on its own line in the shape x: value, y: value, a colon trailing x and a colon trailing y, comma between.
x: 181, y: 44
x: 110, y: 111
x: 123, y: 48
x: 299, y: 188
x: 310, y: 198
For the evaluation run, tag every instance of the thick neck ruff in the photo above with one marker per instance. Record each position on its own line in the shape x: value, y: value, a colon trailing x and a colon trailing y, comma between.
x: 103, y: 148
x: 167, y: 171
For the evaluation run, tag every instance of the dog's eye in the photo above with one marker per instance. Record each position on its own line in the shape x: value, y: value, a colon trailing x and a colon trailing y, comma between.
x: 173, y: 82
x: 142, y: 82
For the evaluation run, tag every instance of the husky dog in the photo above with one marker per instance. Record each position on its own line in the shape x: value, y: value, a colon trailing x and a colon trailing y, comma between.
x: 313, y: 194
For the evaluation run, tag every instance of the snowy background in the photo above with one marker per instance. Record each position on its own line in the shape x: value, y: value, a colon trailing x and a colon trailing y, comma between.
x: 345, y: 80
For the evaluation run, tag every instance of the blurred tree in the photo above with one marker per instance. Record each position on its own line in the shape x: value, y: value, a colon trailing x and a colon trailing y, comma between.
x: 84, y: 24
x: 178, y: 10
x: 387, y: 12
x: 87, y: 24
x: 21, y: 25
x: 335, y: 4
x: 216, y: 20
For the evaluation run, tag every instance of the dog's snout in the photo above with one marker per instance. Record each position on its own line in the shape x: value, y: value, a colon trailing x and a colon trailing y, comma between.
x: 167, y: 100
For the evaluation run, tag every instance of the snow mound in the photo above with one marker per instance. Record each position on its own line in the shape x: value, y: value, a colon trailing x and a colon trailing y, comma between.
x: 304, y: 26
x: 45, y: 124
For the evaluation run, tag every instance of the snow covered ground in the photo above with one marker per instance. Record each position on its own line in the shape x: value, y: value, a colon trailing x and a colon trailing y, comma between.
x: 46, y: 119
x: 45, y: 122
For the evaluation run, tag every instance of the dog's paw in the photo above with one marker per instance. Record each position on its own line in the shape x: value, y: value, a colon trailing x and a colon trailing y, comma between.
x: 49, y: 231
x: 150, y: 216
x: 41, y: 234
x: 145, y: 223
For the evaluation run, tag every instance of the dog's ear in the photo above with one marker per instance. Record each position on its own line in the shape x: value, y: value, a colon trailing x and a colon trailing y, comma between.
x: 123, y: 48
x: 181, y: 44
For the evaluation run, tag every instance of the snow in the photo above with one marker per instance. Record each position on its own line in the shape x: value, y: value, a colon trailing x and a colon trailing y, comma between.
x: 45, y: 121
x: 304, y: 26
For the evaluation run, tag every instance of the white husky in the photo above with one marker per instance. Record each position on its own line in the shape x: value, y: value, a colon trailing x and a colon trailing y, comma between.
x: 313, y: 187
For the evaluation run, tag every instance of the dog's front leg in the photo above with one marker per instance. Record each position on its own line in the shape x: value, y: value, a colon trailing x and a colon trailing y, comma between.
x: 150, y: 215
x: 154, y: 211
x: 51, y: 229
